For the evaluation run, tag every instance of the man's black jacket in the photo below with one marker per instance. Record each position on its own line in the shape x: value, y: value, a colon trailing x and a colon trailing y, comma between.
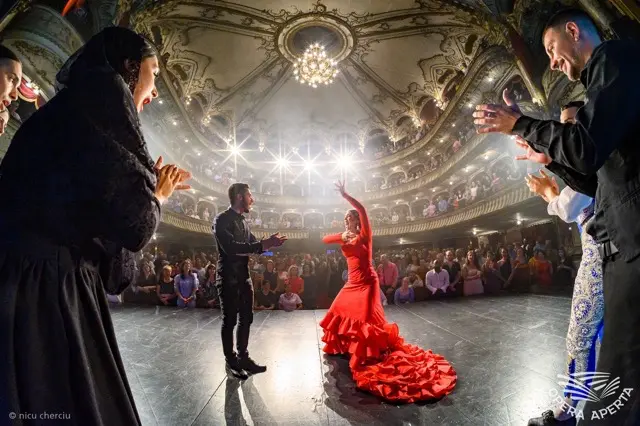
x: 600, y: 155
x: 235, y: 243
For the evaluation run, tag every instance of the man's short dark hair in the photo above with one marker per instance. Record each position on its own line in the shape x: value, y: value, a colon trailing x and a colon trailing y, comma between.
x: 561, y: 18
x: 6, y: 53
x: 236, y: 189
x: 573, y: 104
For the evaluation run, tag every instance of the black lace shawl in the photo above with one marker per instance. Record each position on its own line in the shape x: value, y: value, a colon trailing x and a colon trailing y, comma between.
x: 78, y: 171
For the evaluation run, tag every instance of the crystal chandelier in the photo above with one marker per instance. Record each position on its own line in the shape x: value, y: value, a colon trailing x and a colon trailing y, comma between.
x: 314, y: 68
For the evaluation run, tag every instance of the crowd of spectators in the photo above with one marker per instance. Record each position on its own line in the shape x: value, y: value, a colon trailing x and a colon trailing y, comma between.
x: 309, y: 281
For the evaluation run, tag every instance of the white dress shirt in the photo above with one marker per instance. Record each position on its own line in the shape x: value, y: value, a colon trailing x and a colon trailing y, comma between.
x: 437, y: 280
x: 569, y: 205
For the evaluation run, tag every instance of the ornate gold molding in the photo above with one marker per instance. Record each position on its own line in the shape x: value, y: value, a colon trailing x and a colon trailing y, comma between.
x: 20, y: 7
x: 488, y: 60
x: 43, y: 40
x: 513, y: 195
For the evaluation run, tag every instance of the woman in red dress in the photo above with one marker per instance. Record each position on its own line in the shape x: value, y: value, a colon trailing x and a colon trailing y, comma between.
x: 381, y: 362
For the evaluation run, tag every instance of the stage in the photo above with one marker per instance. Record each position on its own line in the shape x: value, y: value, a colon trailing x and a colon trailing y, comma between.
x: 506, y: 350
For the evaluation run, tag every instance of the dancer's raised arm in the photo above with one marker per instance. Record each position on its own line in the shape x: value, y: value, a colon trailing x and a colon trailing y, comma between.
x: 332, y: 239
x: 365, y: 226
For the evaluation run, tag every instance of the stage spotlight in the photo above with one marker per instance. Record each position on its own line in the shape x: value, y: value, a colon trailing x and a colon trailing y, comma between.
x: 234, y: 150
x: 282, y: 162
x: 308, y: 164
x: 344, y: 162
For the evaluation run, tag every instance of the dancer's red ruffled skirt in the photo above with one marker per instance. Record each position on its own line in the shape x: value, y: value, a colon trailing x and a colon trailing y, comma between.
x: 383, y: 364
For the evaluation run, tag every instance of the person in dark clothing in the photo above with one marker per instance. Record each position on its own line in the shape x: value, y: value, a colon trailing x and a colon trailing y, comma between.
x: 69, y: 232
x: 265, y: 298
x: 235, y: 243
x: 598, y: 156
x: 271, y: 275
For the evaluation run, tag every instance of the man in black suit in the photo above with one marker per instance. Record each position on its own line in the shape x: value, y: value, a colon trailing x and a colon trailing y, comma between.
x: 598, y: 155
x: 235, y: 243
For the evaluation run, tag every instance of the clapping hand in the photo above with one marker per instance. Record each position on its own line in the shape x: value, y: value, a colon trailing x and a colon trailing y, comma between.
x: 183, y: 175
x: 543, y: 185
x: 497, y: 118
x: 530, y: 154
x: 275, y: 240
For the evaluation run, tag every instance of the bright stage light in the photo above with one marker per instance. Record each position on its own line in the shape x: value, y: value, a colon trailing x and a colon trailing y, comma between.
x: 234, y: 150
x: 282, y: 162
x: 308, y: 165
x: 344, y: 162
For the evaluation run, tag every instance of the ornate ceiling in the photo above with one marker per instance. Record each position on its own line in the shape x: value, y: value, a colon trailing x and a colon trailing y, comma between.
x: 230, y: 62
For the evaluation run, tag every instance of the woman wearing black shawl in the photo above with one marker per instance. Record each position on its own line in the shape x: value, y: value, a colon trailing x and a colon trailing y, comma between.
x: 79, y: 194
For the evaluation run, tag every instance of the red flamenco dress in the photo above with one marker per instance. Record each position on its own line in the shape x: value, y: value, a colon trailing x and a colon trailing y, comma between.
x: 380, y: 361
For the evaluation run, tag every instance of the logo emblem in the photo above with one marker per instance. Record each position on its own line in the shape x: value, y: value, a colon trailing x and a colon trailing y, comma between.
x: 590, y: 386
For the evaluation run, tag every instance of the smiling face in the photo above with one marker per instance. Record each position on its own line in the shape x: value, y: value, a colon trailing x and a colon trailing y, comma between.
x: 145, y: 90
x: 10, y: 77
x: 562, y: 45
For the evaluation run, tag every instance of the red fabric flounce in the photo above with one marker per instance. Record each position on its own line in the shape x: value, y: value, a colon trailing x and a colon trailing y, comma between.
x: 383, y: 364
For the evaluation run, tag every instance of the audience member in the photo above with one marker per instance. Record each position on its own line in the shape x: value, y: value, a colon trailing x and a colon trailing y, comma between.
x: 265, y: 299
x: 452, y: 266
x: 296, y: 283
x: 472, y: 275
x: 207, y: 295
x: 289, y: 301
x: 404, y: 294
x: 165, y: 287
x: 186, y: 285
x: 438, y: 280
x: 270, y: 274
x: 493, y: 281
x: 388, y: 275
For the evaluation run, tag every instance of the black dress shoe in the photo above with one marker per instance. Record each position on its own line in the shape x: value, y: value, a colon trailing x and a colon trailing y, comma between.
x: 250, y: 366
x: 547, y: 419
x: 234, y: 369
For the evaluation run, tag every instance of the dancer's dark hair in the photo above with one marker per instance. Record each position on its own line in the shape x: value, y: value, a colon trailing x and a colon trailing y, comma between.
x: 6, y: 53
x: 354, y: 213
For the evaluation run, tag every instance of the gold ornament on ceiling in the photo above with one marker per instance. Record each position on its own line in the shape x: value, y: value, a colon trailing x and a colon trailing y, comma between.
x: 314, y: 67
